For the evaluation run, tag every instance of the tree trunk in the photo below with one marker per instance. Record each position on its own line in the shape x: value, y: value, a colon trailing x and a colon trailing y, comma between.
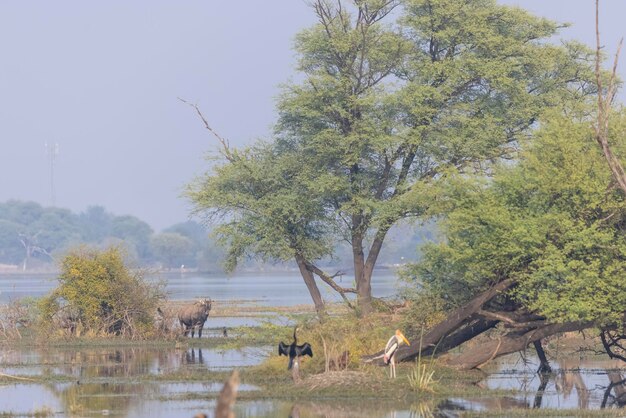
x: 472, y: 329
x: 481, y: 354
x: 544, y: 367
x: 363, y: 285
x: 461, y: 316
x: 466, y: 332
x: 309, y: 280
x: 364, y: 296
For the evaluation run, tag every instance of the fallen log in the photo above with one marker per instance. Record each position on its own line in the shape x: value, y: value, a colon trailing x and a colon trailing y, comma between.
x: 459, y: 323
x: 481, y: 354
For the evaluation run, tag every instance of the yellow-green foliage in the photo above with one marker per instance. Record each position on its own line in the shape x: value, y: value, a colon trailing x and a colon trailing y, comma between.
x: 105, y: 295
x: 358, y: 336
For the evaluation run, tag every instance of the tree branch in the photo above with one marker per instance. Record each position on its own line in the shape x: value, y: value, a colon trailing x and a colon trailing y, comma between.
x: 604, y: 109
x: 226, y: 151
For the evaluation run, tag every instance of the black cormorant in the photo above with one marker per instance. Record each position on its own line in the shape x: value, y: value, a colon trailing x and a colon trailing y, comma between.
x: 293, y: 351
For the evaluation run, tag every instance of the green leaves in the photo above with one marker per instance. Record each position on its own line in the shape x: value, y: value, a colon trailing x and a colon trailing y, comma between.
x: 106, y: 295
x: 266, y: 204
x: 552, y: 222
x: 384, y: 122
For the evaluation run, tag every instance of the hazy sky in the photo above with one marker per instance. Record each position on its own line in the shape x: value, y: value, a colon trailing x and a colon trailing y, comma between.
x: 101, y: 79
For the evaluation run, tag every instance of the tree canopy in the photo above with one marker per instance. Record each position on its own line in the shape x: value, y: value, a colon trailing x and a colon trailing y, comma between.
x: 547, y: 232
x: 553, y: 223
x: 392, y: 96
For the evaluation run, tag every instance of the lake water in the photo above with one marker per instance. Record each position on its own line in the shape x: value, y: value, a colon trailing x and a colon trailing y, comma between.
x: 265, y: 289
x: 132, y: 382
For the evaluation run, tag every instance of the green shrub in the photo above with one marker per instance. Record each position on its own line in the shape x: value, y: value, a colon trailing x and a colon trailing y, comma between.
x: 100, y: 295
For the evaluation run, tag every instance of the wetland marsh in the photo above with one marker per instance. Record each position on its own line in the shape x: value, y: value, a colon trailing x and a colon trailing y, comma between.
x: 115, y: 377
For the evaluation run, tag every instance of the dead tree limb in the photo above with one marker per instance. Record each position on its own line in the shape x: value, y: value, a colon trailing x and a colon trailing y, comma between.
x: 329, y: 280
x: 227, y: 397
x: 225, y: 149
x: 605, y: 102
x: 481, y: 354
x: 453, y: 323
x: 17, y: 377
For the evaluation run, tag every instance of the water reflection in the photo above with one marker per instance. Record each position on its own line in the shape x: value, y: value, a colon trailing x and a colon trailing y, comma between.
x: 124, y: 362
x: 361, y: 408
x: 109, y: 380
x: 615, y: 393
x: 577, y: 383
x: 113, y: 398
x: 190, y: 357
x: 120, y: 381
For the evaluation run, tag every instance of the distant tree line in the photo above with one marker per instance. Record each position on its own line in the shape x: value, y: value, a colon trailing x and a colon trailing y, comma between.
x: 32, y: 235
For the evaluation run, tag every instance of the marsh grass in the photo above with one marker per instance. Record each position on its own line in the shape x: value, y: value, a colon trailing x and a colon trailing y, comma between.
x: 44, y: 411
x: 425, y: 381
x: 421, y: 376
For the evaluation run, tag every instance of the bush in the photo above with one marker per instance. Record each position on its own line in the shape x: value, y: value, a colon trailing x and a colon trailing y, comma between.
x: 15, y: 317
x: 100, y: 295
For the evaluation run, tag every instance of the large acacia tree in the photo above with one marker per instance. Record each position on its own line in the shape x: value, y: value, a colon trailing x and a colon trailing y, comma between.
x: 383, y: 110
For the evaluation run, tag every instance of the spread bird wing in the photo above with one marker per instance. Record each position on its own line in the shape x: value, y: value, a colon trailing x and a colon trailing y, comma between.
x: 283, y: 349
x: 305, y: 350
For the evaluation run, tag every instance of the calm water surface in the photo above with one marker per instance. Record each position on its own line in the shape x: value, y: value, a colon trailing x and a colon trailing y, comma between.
x: 266, y: 289
x: 132, y: 382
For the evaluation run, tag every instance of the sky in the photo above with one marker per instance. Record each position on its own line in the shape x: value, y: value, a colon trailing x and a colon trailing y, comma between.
x: 102, y: 80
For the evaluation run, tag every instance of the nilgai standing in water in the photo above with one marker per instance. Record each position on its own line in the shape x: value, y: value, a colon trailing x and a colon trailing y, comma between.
x: 194, y: 316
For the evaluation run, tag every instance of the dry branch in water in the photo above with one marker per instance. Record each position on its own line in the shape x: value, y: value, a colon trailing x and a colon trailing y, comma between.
x: 228, y: 396
x: 16, y: 377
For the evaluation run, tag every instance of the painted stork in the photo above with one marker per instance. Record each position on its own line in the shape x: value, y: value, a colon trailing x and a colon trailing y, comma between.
x: 294, y: 351
x: 390, y: 351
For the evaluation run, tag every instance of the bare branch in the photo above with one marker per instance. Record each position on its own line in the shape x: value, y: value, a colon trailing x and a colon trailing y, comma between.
x: 610, y: 340
x: 329, y: 280
x: 510, y: 321
x: 605, y: 101
x: 226, y: 151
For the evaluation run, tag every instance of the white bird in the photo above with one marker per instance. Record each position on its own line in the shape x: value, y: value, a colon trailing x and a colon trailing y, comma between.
x: 390, y: 351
